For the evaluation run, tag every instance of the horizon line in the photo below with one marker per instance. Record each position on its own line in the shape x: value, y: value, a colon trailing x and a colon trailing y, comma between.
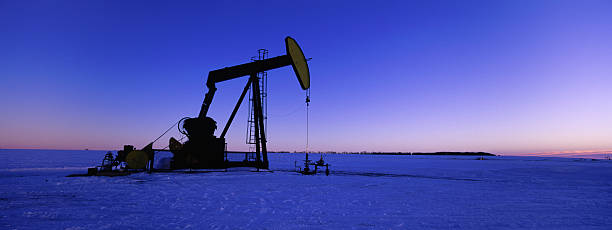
x: 590, y: 154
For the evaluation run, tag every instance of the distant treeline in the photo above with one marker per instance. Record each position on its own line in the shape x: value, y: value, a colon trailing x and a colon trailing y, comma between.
x: 404, y: 153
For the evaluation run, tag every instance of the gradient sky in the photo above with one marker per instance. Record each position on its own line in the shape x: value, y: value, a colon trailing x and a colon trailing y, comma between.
x: 498, y: 76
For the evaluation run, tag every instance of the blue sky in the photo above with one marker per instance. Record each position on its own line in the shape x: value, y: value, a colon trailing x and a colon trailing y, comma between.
x: 499, y: 76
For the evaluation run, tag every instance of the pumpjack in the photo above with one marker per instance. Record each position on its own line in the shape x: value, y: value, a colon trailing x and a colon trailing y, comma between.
x: 204, y: 150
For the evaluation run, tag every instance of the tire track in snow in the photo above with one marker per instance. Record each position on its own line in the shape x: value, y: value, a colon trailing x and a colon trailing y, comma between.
x: 375, y: 174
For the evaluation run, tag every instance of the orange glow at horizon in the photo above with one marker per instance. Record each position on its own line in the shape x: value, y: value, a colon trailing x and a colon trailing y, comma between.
x: 594, y: 154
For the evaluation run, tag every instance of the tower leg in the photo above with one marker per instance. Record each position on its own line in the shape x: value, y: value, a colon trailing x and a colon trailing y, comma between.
x: 255, y: 88
x: 260, y: 119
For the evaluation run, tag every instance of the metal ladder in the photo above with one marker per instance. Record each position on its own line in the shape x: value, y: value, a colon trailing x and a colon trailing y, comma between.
x: 263, y: 86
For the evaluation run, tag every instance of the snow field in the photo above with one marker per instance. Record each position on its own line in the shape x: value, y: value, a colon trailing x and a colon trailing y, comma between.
x: 363, y: 192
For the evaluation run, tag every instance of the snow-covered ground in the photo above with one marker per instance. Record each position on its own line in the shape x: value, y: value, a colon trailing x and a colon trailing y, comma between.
x: 362, y: 192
